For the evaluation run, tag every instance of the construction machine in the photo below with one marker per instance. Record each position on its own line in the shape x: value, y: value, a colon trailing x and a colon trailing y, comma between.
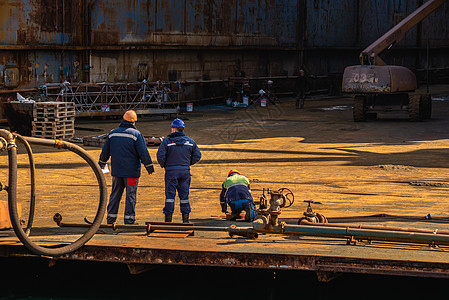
x: 378, y: 87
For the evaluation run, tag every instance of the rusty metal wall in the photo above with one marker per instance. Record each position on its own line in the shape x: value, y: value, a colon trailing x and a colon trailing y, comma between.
x: 189, y: 64
x: 113, y: 40
x: 37, y: 67
x: 40, y: 22
x: 377, y: 17
x: 184, y: 23
x: 435, y: 29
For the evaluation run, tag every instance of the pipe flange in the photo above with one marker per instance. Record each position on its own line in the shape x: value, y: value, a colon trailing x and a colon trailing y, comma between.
x: 282, y: 227
x: 231, y: 234
x: 11, y: 145
x: 59, y: 144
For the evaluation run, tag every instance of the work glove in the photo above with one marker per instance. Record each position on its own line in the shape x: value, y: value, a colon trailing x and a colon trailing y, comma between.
x: 101, y: 164
x: 150, y: 170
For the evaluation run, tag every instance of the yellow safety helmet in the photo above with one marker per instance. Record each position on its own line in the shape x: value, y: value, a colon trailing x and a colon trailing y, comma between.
x: 130, y: 116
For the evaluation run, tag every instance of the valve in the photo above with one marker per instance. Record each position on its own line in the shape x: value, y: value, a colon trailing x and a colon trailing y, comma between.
x: 281, y: 198
x: 57, y: 218
x: 286, y: 194
x: 310, y: 215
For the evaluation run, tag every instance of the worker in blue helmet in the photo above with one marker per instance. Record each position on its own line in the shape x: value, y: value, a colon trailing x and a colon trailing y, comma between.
x: 176, y: 154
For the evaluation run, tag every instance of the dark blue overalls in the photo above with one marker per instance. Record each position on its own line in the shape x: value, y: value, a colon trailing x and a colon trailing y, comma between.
x: 176, y: 154
x: 236, y: 193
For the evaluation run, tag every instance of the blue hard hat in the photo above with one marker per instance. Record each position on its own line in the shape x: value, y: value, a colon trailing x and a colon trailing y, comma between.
x: 178, y: 123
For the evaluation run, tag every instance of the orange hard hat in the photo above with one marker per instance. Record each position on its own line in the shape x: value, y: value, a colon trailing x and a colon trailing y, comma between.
x: 233, y: 171
x: 130, y: 116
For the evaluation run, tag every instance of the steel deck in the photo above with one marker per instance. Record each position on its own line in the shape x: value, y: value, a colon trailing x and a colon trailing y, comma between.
x: 325, y: 256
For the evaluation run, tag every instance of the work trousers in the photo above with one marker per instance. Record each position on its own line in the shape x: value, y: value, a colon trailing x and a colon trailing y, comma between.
x: 118, y: 186
x: 247, y: 205
x: 177, y: 180
x: 300, y: 98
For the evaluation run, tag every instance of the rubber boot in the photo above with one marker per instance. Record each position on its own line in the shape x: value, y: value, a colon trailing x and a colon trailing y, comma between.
x: 168, y: 218
x: 185, y: 218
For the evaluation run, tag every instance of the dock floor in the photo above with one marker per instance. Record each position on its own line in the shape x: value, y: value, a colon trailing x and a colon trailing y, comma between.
x: 388, y: 165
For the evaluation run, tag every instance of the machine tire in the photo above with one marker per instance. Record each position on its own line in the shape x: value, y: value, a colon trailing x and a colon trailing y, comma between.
x: 415, y: 106
x: 358, y: 110
x: 427, y: 106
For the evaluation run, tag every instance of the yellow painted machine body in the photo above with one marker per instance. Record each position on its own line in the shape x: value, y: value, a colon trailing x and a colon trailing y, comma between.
x: 5, y: 221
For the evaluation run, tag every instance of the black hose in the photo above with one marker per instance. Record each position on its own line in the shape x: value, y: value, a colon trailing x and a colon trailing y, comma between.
x: 33, y: 182
x: 12, y: 196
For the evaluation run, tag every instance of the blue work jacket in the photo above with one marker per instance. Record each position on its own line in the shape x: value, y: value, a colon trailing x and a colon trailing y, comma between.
x: 178, y: 152
x: 127, y: 148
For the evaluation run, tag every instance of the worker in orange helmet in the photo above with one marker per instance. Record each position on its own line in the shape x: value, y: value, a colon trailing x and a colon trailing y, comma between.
x: 127, y: 148
x: 236, y: 193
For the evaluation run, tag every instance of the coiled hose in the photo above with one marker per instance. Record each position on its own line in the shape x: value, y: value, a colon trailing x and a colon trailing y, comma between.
x: 32, y: 179
x: 12, y: 194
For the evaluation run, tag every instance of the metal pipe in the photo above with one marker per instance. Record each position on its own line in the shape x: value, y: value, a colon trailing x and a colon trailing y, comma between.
x: 376, y: 227
x: 58, y: 220
x: 232, y: 230
x: 354, y: 233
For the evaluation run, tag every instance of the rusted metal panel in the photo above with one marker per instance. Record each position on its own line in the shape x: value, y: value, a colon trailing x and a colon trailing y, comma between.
x: 35, y: 68
x: 187, y: 65
x: 39, y: 22
x: 331, y: 23
x: 123, y: 22
x: 104, y: 36
x: 345, y: 23
x: 152, y: 257
x: 286, y: 23
x: 435, y: 29
x: 194, y: 22
x: 377, y: 17
x: 249, y: 260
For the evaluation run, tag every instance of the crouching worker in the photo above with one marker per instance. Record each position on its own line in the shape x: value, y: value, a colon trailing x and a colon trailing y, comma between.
x: 236, y: 193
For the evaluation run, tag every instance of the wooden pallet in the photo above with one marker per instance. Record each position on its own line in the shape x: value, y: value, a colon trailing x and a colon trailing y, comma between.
x: 53, y: 126
x: 53, y: 111
x: 57, y: 116
x: 55, y: 120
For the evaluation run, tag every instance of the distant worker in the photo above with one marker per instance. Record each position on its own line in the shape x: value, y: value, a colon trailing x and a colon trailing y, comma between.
x: 301, y: 87
x: 176, y: 154
x: 127, y: 148
x: 236, y: 193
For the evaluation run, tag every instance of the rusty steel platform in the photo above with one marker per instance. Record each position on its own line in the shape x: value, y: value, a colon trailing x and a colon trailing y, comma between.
x: 389, y: 166
x: 327, y: 257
